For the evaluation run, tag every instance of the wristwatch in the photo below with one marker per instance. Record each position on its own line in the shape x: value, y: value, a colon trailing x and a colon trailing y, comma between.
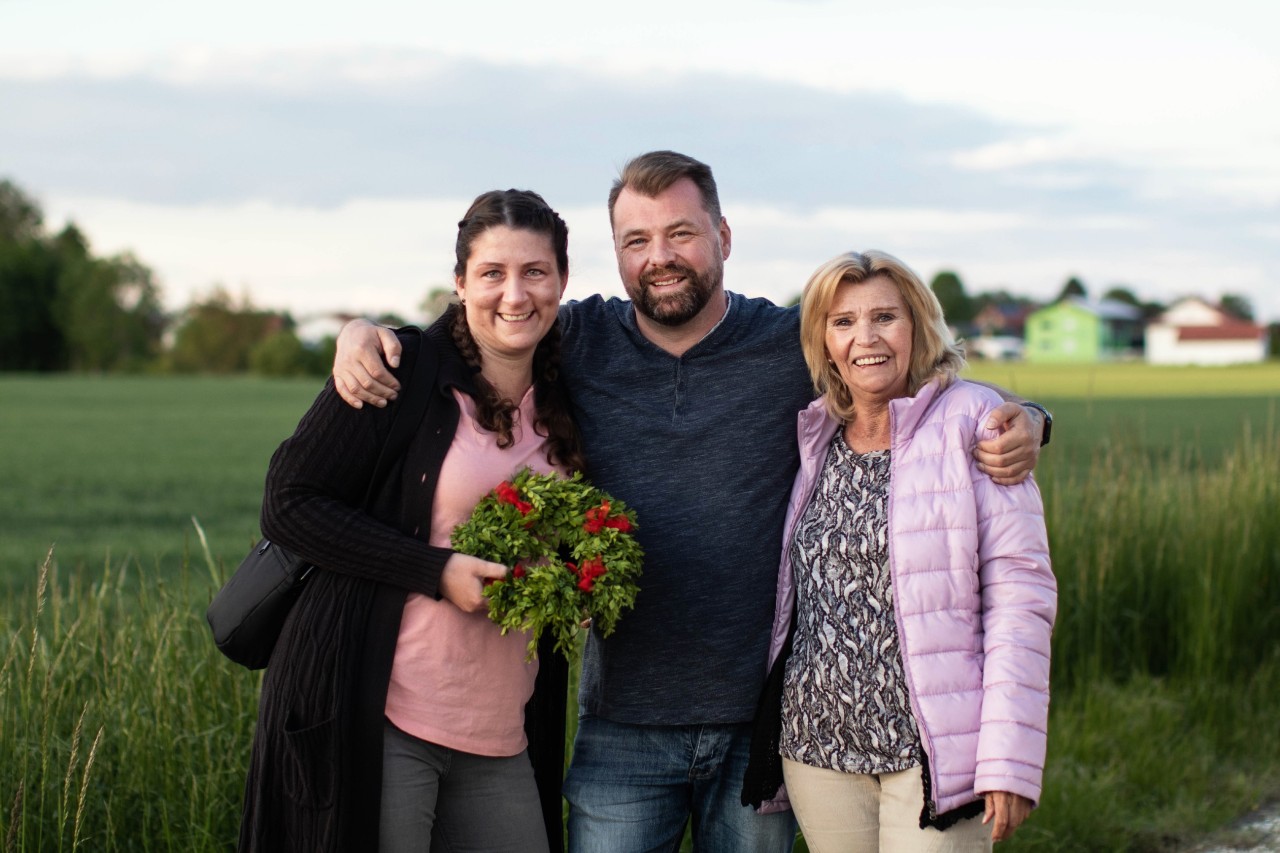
x: 1048, y: 420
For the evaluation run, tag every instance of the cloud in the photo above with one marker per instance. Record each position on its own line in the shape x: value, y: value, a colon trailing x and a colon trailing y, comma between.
x: 319, y: 177
x: 318, y: 129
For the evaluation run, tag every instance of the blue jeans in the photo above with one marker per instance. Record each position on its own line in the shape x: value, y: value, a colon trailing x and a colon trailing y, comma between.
x: 632, y: 789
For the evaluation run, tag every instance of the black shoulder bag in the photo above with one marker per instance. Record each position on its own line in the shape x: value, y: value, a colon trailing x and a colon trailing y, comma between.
x: 249, y: 611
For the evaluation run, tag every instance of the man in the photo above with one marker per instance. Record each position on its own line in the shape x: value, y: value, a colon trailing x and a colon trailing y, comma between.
x: 686, y: 396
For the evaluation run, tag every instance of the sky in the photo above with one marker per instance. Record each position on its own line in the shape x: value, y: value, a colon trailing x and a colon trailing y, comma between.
x: 317, y: 157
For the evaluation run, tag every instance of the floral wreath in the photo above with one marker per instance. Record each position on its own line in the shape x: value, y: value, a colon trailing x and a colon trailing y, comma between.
x: 574, y: 560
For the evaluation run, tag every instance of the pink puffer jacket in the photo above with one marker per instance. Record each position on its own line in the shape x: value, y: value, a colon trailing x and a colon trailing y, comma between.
x: 973, y: 593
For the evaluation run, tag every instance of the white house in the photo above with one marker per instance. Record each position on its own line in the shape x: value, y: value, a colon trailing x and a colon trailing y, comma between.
x: 1192, y: 331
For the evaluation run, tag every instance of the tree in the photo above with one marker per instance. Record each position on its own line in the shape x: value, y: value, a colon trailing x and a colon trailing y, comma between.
x: 281, y: 354
x: 1073, y: 287
x: 60, y: 306
x: 218, y: 334
x: 20, y: 216
x: 1119, y: 293
x: 435, y: 303
x: 110, y: 312
x: 30, y: 336
x: 1237, y: 305
x: 957, y: 307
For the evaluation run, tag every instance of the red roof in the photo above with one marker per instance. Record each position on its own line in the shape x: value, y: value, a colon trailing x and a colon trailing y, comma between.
x: 1232, y: 331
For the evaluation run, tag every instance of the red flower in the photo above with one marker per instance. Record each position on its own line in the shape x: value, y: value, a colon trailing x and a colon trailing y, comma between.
x: 598, y: 518
x: 585, y: 584
x: 573, y: 570
x: 592, y: 569
x: 507, y: 494
x: 620, y: 523
x: 518, y: 571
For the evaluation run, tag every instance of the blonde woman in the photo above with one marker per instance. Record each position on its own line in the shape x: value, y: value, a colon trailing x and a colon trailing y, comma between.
x: 910, y: 647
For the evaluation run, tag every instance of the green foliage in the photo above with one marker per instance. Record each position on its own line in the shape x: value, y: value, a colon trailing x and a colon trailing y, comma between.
x: 1119, y: 293
x: 31, y: 336
x: 434, y: 304
x: 1072, y: 287
x: 110, y: 313
x: 20, y: 216
x: 61, y: 307
x: 572, y: 554
x: 281, y: 354
x: 1237, y: 305
x: 957, y: 307
x: 218, y: 334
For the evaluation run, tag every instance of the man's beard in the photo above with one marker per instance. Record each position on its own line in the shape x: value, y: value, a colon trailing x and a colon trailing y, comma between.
x: 679, y: 306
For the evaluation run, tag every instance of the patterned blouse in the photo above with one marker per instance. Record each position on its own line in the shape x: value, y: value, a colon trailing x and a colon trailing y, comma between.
x: 845, y: 704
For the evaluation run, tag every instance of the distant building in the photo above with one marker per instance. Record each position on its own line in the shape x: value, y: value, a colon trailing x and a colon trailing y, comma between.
x: 1080, y: 331
x: 1001, y: 319
x: 1192, y: 331
x: 995, y: 347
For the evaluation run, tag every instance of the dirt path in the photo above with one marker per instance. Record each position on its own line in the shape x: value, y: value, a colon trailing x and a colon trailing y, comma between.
x: 1255, y: 833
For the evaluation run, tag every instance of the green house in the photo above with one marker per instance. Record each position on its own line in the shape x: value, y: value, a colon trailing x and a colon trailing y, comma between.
x: 1075, y: 330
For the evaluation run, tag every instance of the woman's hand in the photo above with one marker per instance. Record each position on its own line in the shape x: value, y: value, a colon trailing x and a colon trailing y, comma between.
x: 1010, y: 457
x: 462, y: 581
x: 358, y: 372
x: 1007, y: 811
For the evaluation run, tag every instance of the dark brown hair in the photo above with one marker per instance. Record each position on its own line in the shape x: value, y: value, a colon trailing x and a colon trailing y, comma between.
x: 652, y: 173
x: 527, y: 211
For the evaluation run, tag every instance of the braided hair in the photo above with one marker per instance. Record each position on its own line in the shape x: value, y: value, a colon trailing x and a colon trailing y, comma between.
x: 523, y: 210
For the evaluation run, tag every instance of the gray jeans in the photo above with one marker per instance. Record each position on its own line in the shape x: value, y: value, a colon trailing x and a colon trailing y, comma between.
x: 439, y: 799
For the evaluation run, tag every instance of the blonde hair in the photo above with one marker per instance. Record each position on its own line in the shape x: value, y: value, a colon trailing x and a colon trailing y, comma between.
x: 934, y: 351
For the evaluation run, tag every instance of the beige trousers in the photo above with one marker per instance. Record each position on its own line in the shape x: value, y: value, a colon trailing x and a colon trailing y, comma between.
x: 860, y: 813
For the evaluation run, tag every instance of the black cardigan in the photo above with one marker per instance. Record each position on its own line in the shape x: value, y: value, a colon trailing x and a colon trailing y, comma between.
x: 315, y: 778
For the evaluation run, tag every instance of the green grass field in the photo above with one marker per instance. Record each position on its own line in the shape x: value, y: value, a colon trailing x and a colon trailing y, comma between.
x: 121, y: 728
x: 1129, y: 380
x: 118, y: 465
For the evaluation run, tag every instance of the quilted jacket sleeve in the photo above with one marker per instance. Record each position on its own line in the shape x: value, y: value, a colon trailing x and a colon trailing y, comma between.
x: 1019, y: 602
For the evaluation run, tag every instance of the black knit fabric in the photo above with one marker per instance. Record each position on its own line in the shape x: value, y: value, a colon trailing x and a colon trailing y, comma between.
x: 315, y: 777
x: 763, y: 776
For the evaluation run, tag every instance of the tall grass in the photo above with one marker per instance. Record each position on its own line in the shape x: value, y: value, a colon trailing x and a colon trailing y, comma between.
x: 1167, y: 567
x: 121, y: 728
x: 1166, y: 651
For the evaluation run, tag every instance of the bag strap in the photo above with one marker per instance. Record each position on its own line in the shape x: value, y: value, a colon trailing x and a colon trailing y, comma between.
x: 415, y: 392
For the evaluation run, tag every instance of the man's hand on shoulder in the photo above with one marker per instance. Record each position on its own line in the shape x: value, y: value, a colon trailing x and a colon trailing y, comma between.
x: 359, y: 374
x: 1010, y: 457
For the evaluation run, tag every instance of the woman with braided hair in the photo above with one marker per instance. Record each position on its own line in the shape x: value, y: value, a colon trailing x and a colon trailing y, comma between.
x: 394, y: 715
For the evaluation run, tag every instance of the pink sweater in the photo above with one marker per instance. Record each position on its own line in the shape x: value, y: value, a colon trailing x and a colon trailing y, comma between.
x: 974, y: 596
x: 457, y: 681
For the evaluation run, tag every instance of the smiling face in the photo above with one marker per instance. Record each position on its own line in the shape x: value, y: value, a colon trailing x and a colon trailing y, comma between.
x: 511, y: 290
x: 670, y: 252
x: 869, y: 338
